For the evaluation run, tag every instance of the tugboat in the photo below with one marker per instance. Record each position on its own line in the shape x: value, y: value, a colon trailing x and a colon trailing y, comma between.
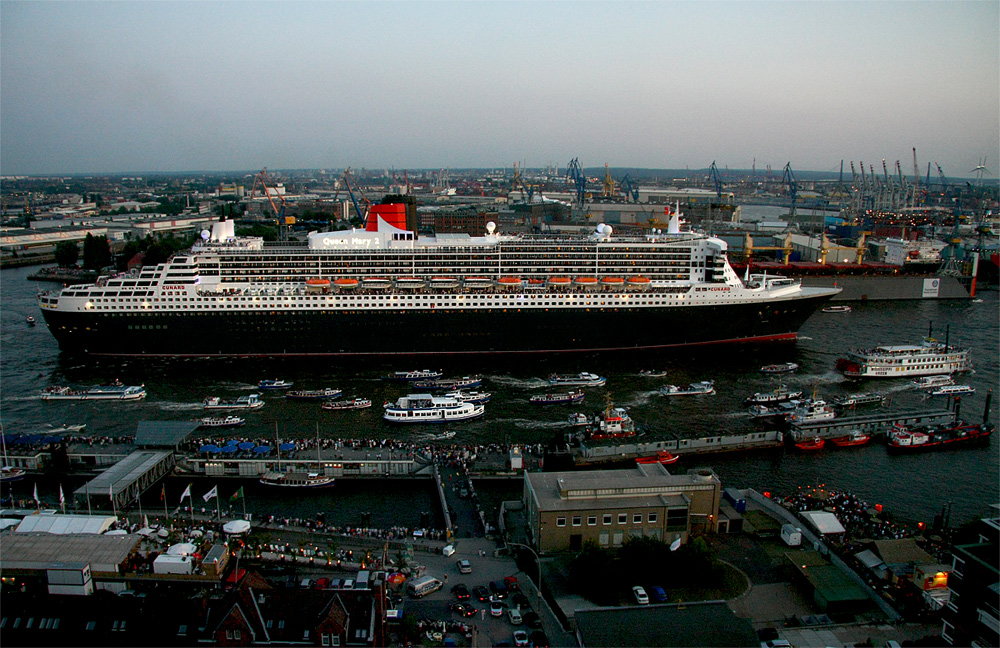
x: 810, y: 445
x: 613, y: 423
x: 811, y: 410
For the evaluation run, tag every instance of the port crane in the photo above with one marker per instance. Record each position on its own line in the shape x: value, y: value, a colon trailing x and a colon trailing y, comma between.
x: 575, y: 172
x: 629, y: 189
x: 362, y: 213
x: 268, y: 187
x: 788, y: 178
x: 713, y: 175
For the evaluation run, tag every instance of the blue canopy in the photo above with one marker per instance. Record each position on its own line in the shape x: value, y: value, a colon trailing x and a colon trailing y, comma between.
x: 262, y: 449
x: 246, y: 445
x: 286, y: 446
x: 229, y: 449
x: 233, y: 442
x: 209, y: 447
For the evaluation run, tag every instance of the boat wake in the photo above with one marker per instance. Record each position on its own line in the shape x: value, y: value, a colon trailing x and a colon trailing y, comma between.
x: 529, y: 424
x: 531, y: 383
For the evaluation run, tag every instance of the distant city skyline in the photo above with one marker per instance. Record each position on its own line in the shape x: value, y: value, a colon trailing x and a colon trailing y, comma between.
x: 146, y: 87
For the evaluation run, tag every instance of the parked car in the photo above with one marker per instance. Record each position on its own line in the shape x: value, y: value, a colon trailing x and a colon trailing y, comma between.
x: 520, y: 638
x: 480, y: 593
x: 514, y: 616
x: 659, y: 595
x: 496, y: 608
x: 322, y: 583
x: 640, y: 595
x: 539, y: 639
x: 532, y: 620
x: 499, y: 588
x: 511, y: 583
x: 464, y: 609
x: 464, y: 567
x: 460, y: 591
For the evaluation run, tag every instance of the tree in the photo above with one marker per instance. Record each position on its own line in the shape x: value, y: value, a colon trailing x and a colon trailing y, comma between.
x: 96, y: 254
x: 67, y: 254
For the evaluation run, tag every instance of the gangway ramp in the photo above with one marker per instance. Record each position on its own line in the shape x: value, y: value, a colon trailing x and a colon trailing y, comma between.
x: 122, y: 483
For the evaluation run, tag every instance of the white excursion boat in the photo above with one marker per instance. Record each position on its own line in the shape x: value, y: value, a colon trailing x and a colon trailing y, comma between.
x: 705, y: 387
x: 584, y: 379
x: 837, y: 309
x: 296, y: 479
x: 250, y: 401
x: 856, y: 400
x: 781, y: 368
x: 274, y: 384
x: 221, y: 421
x: 653, y: 373
x: 779, y: 395
x: 426, y: 408
x: 419, y: 374
x: 952, y: 390
x: 313, y: 394
x: 905, y: 360
x: 354, y: 403
x: 929, y: 382
x: 116, y: 391
x: 470, y: 396
x: 465, y: 382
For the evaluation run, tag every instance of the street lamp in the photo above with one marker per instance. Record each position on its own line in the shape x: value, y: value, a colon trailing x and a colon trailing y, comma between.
x: 538, y: 584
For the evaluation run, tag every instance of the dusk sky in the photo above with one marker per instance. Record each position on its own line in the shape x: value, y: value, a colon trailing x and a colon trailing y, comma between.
x: 98, y: 87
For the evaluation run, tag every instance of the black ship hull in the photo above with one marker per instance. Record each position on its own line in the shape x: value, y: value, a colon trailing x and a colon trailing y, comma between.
x: 424, y: 332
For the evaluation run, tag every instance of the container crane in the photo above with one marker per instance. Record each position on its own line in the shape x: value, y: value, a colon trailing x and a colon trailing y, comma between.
x: 629, y: 188
x: 713, y: 175
x: 609, y: 183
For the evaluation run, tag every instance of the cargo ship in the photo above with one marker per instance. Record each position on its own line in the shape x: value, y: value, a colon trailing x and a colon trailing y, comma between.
x: 379, y: 291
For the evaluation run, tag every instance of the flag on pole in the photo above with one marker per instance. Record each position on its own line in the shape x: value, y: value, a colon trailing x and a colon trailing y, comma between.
x: 62, y: 498
x: 163, y: 493
x: 237, y: 495
x: 675, y: 545
x: 186, y: 493
x: 210, y: 494
x: 36, y: 493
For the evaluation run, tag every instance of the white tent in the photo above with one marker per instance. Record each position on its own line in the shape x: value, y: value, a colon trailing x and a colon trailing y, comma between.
x: 182, y: 549
x: 63, y: 524
x: 824, y: 522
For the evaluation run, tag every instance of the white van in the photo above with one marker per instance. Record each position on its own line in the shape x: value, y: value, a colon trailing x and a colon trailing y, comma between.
x: 448, y: 550
x: 423, y: 586
x: 791, y: 534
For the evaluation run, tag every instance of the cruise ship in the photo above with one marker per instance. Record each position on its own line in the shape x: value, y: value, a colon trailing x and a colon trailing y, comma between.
x: 384, y: 290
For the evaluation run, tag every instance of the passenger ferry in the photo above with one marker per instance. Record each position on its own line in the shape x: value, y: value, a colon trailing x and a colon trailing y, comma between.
x: 584, y: 379
x: 296, y: 479
x: 703, y: 388
x: 240, y: 296
x: 425, y: 408
x: 116, y: 391
x: 210, y: 422
x: 354, y: 403
x: 418, y: 374
x: 905, y: 360
x: 314, y: 394
x: 250, y: 402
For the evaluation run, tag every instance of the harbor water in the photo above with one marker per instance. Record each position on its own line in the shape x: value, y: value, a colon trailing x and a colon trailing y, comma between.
x: 914, y: 488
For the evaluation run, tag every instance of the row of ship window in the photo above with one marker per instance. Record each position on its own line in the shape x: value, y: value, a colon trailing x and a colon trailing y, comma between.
x: 607, y: 518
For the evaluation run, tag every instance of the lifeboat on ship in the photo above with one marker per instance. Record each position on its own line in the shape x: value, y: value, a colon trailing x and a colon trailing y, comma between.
x: 559, y: 282
x: 317, y: 284
x: 586, y: 282
x: 375, y: 283
x: 612, y: 282
x: 508, y: 282
x: 344, y: 282
x: 444, y: 282
x: 638, y: 282
x: 410, y: 283
x: 478, y: 282
x: 661, y: 457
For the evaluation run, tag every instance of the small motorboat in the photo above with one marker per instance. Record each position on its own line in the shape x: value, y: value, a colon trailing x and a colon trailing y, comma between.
x: 470, y: 396
x: 705, y: 387
x: 661, y: 457
x: 811, y: 445
x: 585, y: 379
x: 30, y: 321
x: 837, y: 309
x: 578, y: 419
x: 274, y: 384
x: 781, y: 368
x: 652, y: 373
x: 952, y: 390
x: 854, y: 438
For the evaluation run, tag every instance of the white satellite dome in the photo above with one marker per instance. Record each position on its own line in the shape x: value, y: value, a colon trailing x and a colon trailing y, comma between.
x: 608, y: 230
x: 491, y: 227
x: 600, y: 228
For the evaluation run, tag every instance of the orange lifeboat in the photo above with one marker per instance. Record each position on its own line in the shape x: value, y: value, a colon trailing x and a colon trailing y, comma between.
x: 317, y: 284
x: 345, y: 283
x: 638, y: 282
x: 586, y: 281
x: 560, y: 281
x: 508, y: 281
x: 612, y: 281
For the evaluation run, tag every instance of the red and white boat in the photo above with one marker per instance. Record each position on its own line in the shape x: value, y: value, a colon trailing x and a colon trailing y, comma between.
x: 661, y: 457
x: 614, y: 423
x: 810, y: 445
x: 934, y: 437
x: 854, y: 438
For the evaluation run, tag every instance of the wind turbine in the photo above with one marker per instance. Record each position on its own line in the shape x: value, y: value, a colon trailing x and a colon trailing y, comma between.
x: 981, y: 170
